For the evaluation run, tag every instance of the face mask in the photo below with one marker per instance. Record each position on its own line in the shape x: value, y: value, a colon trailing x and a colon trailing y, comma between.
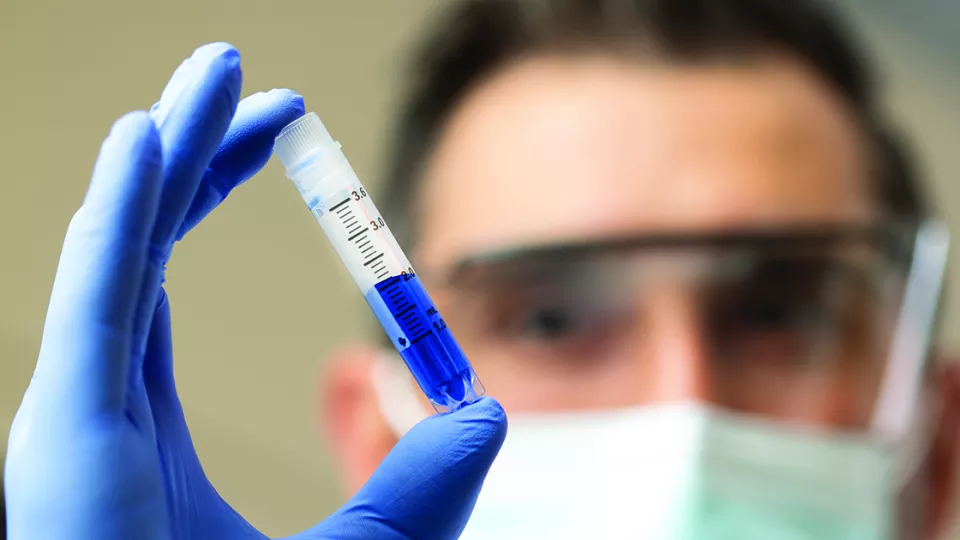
x: 673, y: 471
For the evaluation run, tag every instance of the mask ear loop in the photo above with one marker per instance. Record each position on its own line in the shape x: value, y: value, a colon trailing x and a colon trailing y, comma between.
x: 396, y: 396
x: 899, y: 419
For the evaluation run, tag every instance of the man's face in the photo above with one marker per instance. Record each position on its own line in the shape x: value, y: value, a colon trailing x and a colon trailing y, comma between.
x: 559, y: 150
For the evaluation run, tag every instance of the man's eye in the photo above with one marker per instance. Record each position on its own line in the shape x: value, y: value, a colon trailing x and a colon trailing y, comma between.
x: 779, y: 295
x: 556, y: 322
x: 548, y: 323
x: 775, y: 311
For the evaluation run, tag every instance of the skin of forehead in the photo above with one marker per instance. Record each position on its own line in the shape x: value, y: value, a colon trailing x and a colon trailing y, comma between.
x: 553, y: 149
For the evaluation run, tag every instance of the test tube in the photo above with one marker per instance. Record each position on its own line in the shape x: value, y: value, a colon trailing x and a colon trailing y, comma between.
x: 359, y: 235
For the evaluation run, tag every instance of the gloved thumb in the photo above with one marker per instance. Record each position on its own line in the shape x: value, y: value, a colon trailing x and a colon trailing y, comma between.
x: 427, y: 485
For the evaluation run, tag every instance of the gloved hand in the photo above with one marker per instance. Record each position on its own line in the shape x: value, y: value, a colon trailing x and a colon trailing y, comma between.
x: 99, y: 448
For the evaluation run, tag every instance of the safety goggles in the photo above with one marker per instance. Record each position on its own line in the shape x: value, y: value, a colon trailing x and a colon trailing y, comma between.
x: 826, y: 324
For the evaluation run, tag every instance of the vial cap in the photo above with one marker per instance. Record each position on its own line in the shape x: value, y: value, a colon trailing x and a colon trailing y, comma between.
x: 301, y: 138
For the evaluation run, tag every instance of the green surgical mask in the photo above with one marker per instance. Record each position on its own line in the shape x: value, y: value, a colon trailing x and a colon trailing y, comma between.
x: 682, y: 471
x: 674, y: 471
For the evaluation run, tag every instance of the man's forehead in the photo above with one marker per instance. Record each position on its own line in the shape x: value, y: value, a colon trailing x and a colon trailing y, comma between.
x: 554, y: 149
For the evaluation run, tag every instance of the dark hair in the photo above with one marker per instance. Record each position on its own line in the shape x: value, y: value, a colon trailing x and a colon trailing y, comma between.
x: 477, y: 37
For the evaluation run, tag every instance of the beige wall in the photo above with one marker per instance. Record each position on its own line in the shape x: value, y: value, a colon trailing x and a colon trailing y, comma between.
x: 253, y: 316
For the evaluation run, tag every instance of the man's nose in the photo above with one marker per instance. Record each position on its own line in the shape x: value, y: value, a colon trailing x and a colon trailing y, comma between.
x: 670, y: 347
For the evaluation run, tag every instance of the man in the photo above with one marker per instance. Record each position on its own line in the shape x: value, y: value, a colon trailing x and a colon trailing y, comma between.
x: 663, y: 231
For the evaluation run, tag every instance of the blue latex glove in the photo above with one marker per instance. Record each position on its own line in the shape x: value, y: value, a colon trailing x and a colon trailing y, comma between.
x: 100, y: 448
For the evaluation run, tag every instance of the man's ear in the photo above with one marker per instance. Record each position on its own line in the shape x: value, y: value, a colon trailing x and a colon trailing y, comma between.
x: 946, y: 444
x: 350, y: 417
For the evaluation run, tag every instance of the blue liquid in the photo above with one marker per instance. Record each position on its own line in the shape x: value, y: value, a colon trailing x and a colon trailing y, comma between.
x: 426, y: 344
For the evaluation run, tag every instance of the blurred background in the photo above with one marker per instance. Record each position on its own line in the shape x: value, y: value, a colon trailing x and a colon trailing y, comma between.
x: 258, y: 298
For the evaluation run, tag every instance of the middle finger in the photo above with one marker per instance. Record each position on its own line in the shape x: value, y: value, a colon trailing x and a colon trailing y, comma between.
x: 192, y: 117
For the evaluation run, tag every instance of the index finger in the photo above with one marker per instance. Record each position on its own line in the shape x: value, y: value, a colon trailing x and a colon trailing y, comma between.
x: 87, y: 334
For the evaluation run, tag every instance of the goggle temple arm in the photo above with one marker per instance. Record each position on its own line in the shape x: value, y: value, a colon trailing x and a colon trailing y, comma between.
x: 898, y: 416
